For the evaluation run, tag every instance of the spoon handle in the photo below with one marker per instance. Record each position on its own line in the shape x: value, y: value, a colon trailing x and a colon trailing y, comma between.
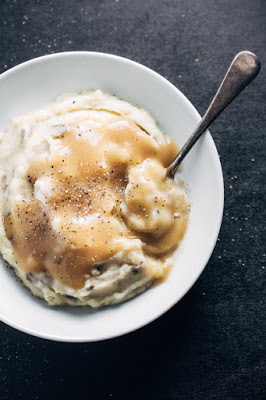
x: 244, y: 68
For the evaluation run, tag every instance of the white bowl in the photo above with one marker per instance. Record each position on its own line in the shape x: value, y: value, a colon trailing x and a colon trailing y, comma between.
x: 42, y: 80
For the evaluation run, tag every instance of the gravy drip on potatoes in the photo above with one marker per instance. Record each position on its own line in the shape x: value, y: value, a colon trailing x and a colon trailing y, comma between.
x: 109, y: 186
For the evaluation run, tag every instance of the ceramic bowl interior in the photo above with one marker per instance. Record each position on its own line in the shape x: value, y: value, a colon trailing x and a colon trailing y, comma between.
x: 40, y: 81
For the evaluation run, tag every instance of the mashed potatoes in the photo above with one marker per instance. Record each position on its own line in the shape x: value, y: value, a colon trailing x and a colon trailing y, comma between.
x: 88, y: 216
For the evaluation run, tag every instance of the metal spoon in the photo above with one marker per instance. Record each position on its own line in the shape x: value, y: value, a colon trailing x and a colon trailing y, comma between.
x: 244, y: 68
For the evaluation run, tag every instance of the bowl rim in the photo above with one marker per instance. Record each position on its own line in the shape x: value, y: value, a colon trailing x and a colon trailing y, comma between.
x: 220, y: 206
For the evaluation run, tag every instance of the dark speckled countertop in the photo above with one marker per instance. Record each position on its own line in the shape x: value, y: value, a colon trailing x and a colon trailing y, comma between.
x: 211, y: 345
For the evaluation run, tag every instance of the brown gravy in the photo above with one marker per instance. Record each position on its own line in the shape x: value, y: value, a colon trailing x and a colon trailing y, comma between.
x: 80, y: 224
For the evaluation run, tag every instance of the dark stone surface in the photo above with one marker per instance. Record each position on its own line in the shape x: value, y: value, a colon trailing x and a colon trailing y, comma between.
x: 212, y: 344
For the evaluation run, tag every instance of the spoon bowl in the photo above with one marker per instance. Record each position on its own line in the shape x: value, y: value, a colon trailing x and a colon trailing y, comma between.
x: 40, y: 81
